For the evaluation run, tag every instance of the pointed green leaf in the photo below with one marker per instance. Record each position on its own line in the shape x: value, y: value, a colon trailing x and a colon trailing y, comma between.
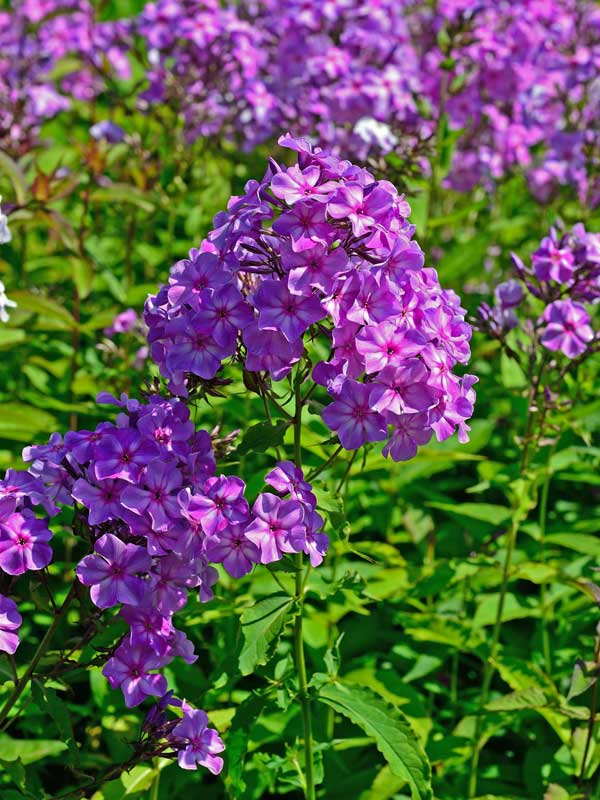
x: 261, y: 625
x: 390, y: 729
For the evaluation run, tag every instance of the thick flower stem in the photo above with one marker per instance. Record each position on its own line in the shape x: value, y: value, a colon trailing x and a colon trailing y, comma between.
x: 309, y: 772
x: 43, y: 646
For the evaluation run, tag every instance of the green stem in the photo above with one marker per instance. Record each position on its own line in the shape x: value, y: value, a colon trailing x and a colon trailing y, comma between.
x: 155, y: 783
x: 489, y: 669
x: 544, y: 587
x: 309, y: 772
x: 592, y: 720
x: 43, y: 646
x: 517, y: 518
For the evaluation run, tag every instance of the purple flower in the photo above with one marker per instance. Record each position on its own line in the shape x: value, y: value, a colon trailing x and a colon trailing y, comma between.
x: 123, y: 322
x: 279, y: 310
x: 24, y: 543
x: 102, y: 501
x: 157, y: 498
x: 112, y: 572
x: 353, y: 418
x: 223, y: 312
x: 10, y: 622
x: 509, y: 294
x: 107, y: 130
x: 568, y: 328
x: 410, y: 431
x: 273, y: 525
x: 129, y: 669
x: 196, y: 742
x: 232, y: 548
x: 316, y: 543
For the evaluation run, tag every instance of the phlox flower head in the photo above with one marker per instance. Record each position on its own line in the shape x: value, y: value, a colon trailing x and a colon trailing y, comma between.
x: 554, y: 298
x: 320, y: 250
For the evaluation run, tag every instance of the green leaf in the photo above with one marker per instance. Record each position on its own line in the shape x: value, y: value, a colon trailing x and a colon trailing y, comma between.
x: 534, y: 697
x: 123, y: 193
x: 21, y: 423
x: 29, y: 750
x: 53, y: 315
x: 585, y: 675
x: 389, y: 728
x: 16, y: 177
x: 261, y: 625
x: 484, y: 512
x: 580, y: 542
x: 260, y: 437
x: 10, y: 337
x: 238, y: 740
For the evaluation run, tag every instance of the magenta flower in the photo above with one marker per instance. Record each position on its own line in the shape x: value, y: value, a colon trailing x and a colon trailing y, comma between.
x: 24, y: 543
x: 279, y: 310
x: 232, y: 548
x: 568, y: 328
x: 275, y: 522
x: 301, y: 184
x: 362, y: 206
x: 387, y: 343
x: 316, y: 542
x: 306, y: 225
x: 112, y: 572
x: 196, y: 742
x: 374, y: 302
x: 129, y: 669
x: 315, y: 268
x: 10, y: 622
x: 287, y: 478
x: 402, y: 389
x: 221, y: 503
x: 352, y: 417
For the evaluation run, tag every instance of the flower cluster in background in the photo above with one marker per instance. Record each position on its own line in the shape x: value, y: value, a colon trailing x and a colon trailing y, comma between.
x: 521, y: 81
x: 34, y: 38
x: 561, y: 284
x: 321, y: 250
x: 518, y: 83
x: 155, y: 517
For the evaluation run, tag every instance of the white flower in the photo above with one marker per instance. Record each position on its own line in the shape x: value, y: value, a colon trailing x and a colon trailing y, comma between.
x: 5, y: 234
x: 5, y: 303
x: 375, y: 133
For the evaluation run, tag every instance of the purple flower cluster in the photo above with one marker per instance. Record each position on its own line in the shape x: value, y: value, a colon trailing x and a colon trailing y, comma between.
x: 344, y: 71
x: 320, y: 250
x: 562, y: 282
x: 517, y: 81
x: 521, y: 81
x: 34, y: 36
x: 156, y: 517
